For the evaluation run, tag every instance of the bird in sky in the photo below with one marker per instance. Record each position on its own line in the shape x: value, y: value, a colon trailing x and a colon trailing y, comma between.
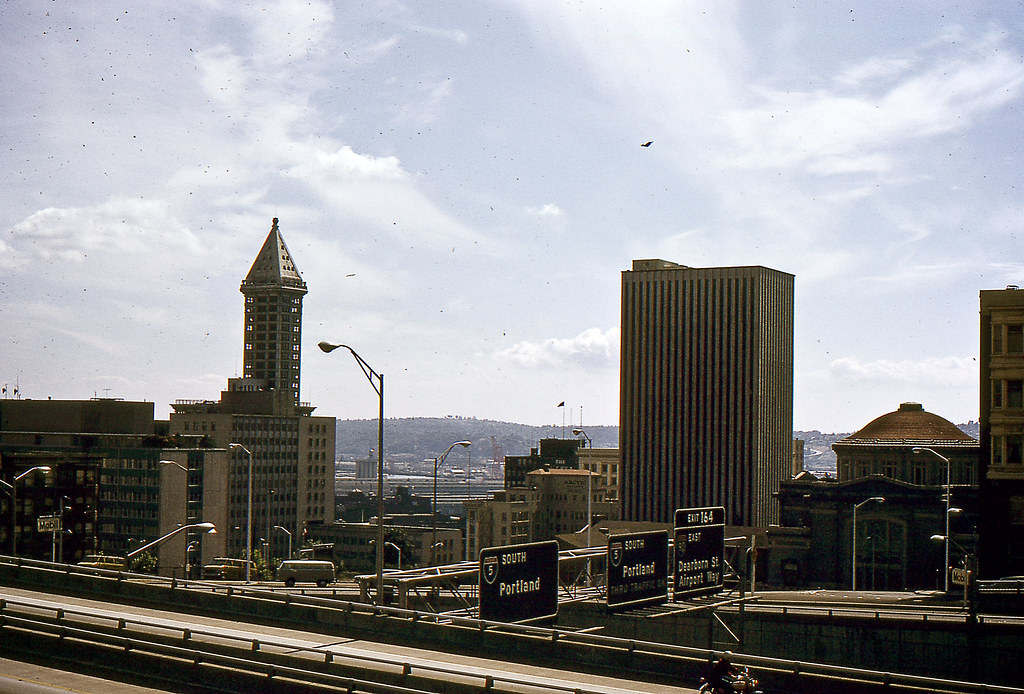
x: 648, y: 143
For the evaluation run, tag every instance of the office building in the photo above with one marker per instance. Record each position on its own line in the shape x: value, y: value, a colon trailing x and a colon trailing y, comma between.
x: 563, y: 500
x: 559, y: 454
x: 1001, y: 420
x: 292, y: 452
x: 115, y: 482
x: 706, y: 395
x: 606, y: 463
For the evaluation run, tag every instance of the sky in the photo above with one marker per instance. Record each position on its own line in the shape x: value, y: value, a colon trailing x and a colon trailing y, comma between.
x: 462, y: 183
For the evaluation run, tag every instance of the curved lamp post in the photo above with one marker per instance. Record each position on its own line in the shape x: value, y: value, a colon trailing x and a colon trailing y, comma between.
x: 12, y: 488
x: 944, y: 459
x: 288, y: 533
x: 248, y: 520
x: 853, y: 556
x: 396, y: 547
x: 438, y: 462
x: 208, y: 527
x: 377, y: 382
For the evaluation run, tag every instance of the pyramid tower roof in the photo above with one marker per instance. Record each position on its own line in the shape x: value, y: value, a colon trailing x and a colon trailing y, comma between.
x: 274, y: 267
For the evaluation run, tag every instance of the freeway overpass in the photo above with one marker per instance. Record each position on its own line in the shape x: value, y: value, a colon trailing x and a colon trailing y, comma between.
x: 586, y: 643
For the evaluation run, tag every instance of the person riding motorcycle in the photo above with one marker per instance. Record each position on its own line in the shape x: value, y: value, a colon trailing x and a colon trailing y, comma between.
x: 726, y: 678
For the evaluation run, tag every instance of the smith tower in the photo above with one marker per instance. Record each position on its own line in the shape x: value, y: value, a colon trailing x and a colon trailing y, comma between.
x: 261, y: 421
x: 273, y: 293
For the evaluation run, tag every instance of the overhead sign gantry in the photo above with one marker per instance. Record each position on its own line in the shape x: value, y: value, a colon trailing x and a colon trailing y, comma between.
x: 699, y: 551
x: 637, y: 569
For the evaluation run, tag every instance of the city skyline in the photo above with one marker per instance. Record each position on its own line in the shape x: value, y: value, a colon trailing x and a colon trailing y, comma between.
x: 461, y: 187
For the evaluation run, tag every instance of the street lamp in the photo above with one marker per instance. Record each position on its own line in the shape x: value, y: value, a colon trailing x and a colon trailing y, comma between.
x: 12, y: 488
x: 853, y: 557
x: 184, y: 520
x: 270, y: 495
x: 945, y: 567
x: 288, y: 533
x: 378, y: 387
x: 590, y: 496
x: 248, y: 521
x: 968, y: 565
x: 438, y: 462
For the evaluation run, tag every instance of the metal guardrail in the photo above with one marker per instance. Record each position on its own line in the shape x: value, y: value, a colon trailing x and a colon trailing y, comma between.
x: 246, y: 665
x: 891, y: 681
x: 62, y: 626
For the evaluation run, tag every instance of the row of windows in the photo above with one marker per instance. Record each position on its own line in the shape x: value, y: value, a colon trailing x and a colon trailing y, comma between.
x: 272, y: 299
x: 1007, y: 450
x: 1007, y: 393
x: 263, y: 424
x: 1009, y: 338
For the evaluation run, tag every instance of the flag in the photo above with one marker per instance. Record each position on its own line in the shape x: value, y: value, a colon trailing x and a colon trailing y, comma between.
x: 561, y: 404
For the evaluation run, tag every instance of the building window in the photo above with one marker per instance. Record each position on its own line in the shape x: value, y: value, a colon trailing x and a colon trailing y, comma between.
x: 1015, y: 394
x: 997, y: 451
x: 1015, y: 339
x: 920, y: 473
x: 1014, y: 445
x: 997, y: 393
x: 997, y: 339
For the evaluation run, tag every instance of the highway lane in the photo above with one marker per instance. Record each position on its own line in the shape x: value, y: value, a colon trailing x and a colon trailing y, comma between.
x: 17, y: 677
x: 548, y: 678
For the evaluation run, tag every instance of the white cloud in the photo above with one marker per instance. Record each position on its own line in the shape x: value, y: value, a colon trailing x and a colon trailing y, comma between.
x: 377, y: 191
x: 118, y: 228
x: 934, y: 371
x: 877, y: 106
x: 593, y: 349
x: 548, y: 210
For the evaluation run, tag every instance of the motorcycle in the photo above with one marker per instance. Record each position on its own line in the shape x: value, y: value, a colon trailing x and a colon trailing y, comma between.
x: 741, y: 682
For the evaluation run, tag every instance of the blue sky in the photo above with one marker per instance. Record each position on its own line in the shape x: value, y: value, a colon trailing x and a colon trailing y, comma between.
x: 461, y: 184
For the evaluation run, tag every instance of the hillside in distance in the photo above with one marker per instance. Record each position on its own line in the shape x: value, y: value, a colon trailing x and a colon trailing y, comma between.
x: 415, y: 439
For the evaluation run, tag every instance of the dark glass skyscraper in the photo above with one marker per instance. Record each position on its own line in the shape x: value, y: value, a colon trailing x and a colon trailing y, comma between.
x: 706, y: 392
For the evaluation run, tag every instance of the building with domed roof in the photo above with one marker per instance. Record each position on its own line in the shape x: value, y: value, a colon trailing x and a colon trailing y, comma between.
x: 892, y: 478
x: 885, y: 446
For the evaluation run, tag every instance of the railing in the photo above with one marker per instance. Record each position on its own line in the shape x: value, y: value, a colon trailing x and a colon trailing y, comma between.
x: 778, y: 667
x: 285, y: 656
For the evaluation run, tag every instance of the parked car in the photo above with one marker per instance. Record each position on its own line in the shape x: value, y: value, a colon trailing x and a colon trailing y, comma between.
x: 224, y: 569
x: 103, y: 561
x: 292, y: 571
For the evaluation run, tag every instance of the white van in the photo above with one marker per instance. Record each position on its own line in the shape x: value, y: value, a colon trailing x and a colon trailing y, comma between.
x: 293, y: 571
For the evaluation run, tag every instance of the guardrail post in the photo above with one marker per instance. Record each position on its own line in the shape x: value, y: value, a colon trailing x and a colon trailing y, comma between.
x: 489, y: 682
x: 255, y: 645
x: 186, y: 634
